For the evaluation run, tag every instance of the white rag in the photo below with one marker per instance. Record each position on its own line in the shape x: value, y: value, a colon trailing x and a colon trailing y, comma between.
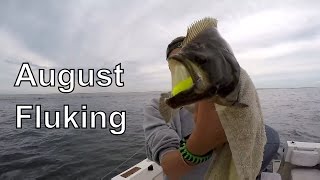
x: 242, y: 157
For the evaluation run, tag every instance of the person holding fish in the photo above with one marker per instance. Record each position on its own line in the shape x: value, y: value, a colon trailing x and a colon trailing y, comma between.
x: 213, y: 111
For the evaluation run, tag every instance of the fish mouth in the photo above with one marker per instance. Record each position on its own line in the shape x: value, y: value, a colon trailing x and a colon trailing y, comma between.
x: 188, y: 82
x: 180, y: 77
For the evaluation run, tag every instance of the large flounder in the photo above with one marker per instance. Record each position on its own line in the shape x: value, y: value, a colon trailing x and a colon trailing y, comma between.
x: 204, y: 67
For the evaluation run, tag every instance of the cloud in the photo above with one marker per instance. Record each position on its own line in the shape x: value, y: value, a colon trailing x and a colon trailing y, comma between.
x: 282, y: 57
x: 12, y: 47
x: 271, y: 26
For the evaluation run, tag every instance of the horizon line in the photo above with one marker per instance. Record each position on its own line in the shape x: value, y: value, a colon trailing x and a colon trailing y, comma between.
x: 266, y: 88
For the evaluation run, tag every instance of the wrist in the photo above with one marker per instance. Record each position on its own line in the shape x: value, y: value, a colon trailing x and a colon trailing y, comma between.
x: 190, y: 158
x: 198, y: 143
x: 206, y: 105
x: 166, y: 151
x: 173, y: 164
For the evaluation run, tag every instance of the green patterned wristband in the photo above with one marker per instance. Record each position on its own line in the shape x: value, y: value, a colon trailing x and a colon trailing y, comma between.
x: 187, y: 155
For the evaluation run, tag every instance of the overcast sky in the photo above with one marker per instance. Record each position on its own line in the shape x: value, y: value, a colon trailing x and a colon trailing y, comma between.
x: 277, y: 42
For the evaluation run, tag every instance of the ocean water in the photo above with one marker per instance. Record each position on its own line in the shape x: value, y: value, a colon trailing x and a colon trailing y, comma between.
x: 31, y: 153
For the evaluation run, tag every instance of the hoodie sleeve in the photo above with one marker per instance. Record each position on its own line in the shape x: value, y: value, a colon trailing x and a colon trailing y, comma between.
x: 159, y: 136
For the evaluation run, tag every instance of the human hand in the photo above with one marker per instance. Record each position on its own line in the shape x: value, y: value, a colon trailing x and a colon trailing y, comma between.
x: 173, y: 165
x: 208, y: 133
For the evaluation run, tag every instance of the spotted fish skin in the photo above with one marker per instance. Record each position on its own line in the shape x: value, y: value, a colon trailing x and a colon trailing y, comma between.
x: 213, y: 57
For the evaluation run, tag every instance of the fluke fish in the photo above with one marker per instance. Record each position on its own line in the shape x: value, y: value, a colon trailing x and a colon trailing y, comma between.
x: 205, y: 67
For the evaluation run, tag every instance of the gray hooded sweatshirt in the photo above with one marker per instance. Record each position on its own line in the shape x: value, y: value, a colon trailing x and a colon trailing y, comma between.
x: 162, y: 137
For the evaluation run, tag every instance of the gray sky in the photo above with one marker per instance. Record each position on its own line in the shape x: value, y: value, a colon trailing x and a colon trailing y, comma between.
x: 277, y: 42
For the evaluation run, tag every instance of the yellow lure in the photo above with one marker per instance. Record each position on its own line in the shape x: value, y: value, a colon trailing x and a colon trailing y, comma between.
x: 182, y: 86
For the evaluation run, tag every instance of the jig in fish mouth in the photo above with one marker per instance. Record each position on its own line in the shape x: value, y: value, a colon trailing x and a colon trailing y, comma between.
x: 185, y: 77
x: 204, y: 67
x: 188, y: 82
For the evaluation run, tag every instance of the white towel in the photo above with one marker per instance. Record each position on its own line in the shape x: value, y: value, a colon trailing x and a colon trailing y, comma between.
x: 242, y: 157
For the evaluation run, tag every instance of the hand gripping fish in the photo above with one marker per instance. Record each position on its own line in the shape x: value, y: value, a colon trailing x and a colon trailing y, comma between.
x: 206, y: 68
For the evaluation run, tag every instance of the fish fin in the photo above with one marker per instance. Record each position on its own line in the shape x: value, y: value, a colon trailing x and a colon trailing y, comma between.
x: 197, y: 27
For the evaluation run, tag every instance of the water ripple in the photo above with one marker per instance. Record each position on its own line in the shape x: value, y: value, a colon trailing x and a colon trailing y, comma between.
x: 30, y: 153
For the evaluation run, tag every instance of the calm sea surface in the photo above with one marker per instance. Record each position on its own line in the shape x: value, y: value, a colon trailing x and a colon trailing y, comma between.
x: 30, y: 153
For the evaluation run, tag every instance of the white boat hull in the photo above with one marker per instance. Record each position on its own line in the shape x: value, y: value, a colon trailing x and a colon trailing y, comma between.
x: 301, y: 155
x: 145, y: 170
